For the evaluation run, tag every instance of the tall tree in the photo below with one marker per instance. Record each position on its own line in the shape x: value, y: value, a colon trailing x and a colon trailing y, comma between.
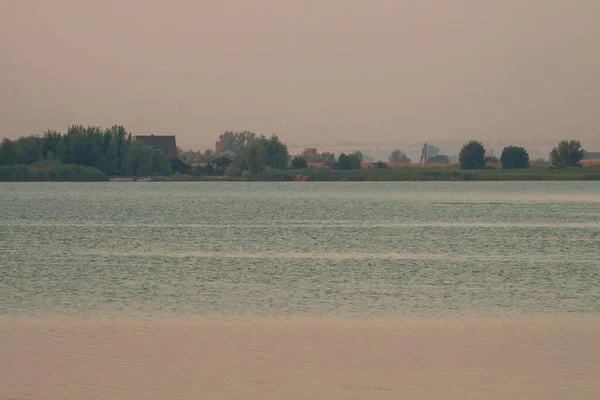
x: 472, y: 155
x: 398, y: 156
x: 325, y: 157
x: 8, y: 153
x: 299, y: 162
x: 567, y: 154
x: 262, y: 153
x: 310, y: 154
x: 350, y: 161
x: 232, y: 142
x: 514, y: 157
x: 110, y: 150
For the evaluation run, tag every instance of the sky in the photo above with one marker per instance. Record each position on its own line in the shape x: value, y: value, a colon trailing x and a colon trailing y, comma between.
x: 310, y: 71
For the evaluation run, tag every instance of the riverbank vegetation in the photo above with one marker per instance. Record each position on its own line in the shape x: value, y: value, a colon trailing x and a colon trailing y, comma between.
x: 78, y: 153
x: 92, y: 153
x: 431, y: 174
x: 50, y: 172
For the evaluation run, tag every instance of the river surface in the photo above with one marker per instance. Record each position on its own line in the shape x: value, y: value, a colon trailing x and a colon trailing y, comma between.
x: 300, y: 249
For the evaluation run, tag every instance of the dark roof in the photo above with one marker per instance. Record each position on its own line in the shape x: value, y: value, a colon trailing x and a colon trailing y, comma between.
x: 157, y: 141
x: 222, y: 160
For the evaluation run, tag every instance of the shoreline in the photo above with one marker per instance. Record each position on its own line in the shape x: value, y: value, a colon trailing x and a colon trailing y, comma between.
x: 70, y: 173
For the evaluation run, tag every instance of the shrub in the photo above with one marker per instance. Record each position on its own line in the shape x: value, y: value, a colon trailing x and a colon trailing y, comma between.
x: 247, y: 175
x: 514, y: 157
x: 472, y: 155
x: 567, y: 154
x: 299, y: 162
x: 233, y: 171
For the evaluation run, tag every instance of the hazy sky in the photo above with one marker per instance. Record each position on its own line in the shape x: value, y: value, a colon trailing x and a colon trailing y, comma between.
x: 381, y: 70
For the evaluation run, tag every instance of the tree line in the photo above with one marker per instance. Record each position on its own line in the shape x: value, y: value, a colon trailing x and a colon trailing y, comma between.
x: 568, y: 153
x: 254, y: 153
x: 111, y: 151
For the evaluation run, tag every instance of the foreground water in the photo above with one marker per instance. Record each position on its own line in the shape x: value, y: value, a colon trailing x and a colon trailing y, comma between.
x: 302, y: 249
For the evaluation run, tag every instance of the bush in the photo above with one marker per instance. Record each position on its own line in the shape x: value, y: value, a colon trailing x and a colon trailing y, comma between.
x: 262, y: 153
x: 233, y: 171
x: 380, y: 164
x: 567, y: 154
x: 299, y: 162
x: 350, y: 161
x: 472, y: 155
x: 247, y: 175
x: 398, y: 156
x: 514, y: 157
x: 50, y: 172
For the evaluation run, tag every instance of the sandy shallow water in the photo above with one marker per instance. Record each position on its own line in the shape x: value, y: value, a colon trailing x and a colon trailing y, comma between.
x: 299, y: 358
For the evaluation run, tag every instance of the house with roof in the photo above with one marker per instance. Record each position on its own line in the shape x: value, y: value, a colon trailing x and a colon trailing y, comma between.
x: 166, y: 144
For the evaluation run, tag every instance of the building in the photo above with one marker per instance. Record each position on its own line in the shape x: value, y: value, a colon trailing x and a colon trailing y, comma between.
x: 166, y: 144
x: 220, y: 162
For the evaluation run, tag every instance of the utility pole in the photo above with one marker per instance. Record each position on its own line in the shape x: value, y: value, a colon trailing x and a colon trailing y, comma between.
x: 423, y: 159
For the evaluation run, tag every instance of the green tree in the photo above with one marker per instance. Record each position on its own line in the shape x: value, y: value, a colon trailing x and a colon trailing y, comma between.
x: 232, y: 142
x: 28, y: 149
x: 8, y: 153
x: 567, y: 154
x: 472, y: 155
x: 160, y: 162
x: 310, y: 154
x: 299, y: 162
x: 262, y: 153
x: 325, y: 157
x: 398, y: 156
x: 343, y: 161
x: 278, y: 156
x: 233, y: 171
x: 109, y: 150
x: 350, y: 161
x: 514, y: 157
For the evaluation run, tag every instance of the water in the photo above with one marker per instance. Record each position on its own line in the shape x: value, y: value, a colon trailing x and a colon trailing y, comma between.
x: 304, y: 249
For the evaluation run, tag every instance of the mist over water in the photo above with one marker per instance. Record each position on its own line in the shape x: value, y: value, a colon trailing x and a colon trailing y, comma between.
x: 342, y: 249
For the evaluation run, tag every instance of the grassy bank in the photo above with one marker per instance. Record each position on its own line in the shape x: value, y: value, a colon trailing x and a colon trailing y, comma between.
x: 438, y: 174
x: 50, y: 172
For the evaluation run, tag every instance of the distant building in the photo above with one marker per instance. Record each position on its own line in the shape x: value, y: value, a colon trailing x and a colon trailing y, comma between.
x: 221, y: 162
x: 166, y: 144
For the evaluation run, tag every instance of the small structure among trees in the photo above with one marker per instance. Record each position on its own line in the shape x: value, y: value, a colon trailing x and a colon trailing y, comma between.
x: 438, y: 159
x: 164, y: 143
x: 220, y: 162
x: 167, y: 145
x: 379, y: 164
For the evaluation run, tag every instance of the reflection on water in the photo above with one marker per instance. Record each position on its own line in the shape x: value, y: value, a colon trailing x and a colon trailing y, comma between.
x: 348, y: 249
